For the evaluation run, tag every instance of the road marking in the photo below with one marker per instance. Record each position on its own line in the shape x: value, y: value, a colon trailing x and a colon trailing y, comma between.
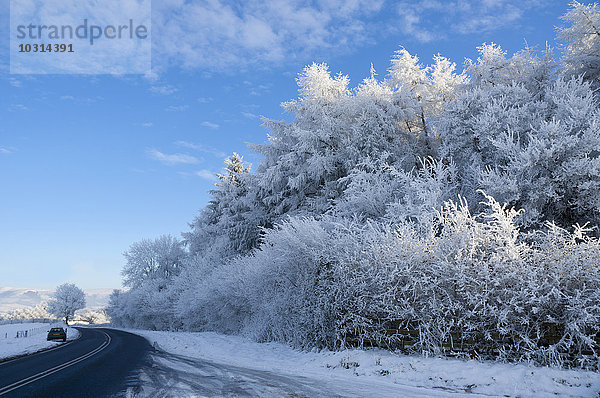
x: 37, y: 352
x: 42, y: 351
x: 48, y: 372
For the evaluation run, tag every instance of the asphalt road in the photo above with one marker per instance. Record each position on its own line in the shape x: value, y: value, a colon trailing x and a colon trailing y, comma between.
x: 114, y: 363
x: 101, y: 363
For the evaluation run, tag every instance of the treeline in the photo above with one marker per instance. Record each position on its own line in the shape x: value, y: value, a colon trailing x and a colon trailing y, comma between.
x: 39, y: 311
x: 382, y: 203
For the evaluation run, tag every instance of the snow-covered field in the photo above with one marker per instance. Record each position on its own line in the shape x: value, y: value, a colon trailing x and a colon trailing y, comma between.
x: 11, y: 346
x: 358, y: 372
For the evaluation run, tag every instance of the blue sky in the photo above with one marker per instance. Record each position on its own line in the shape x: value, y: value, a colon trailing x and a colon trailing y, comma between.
x: 91, y: 163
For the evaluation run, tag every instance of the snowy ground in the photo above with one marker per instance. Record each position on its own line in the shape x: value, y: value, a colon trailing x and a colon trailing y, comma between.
x: 11, y: 346
x: 201, y: 364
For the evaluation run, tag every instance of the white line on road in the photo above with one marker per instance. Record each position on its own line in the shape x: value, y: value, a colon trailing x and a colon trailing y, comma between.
x: 42, y: 351
x: 55, y: 369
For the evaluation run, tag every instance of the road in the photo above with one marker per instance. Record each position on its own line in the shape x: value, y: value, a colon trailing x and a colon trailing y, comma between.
x: 101, y: 363
x: 113, y: 363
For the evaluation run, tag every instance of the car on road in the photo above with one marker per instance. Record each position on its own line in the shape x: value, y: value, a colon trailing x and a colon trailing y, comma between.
x: 57, y: 334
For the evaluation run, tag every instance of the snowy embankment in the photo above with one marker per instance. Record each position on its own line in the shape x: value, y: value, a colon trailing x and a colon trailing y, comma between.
x: 372, y: 370
x: 12, y: 346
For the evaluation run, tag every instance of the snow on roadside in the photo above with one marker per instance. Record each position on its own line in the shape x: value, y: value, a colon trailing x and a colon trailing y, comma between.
x: 379, y: 366
x: 11, y: 346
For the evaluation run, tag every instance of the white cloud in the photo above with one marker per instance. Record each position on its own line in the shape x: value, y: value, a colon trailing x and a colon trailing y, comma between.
x: 206, y: 174
x: 202, y: 148
x: 147, y: 124
x: 250, y: 115
x: 151, y: 75
x: 217, y: 35
x: 210, y: 125
x: 14, y: 82
x: 18, y: 107
x: 410, y: 26
x: 258, y: 89
x: 176, y: 108
x: 428, y: 20
x: 4, y: 151
x: 204, y: 100
x: 117, y: 57
x: 81, y: 100
x: 172, y: 159
x: 164, y: 90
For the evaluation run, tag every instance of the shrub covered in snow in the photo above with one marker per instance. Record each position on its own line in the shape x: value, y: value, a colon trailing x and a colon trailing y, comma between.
x: 366, y: 223
x: 473, y: 283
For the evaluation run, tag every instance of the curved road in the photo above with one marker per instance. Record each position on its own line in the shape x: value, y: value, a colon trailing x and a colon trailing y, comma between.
x: 113, y: 363
x: 101, y: 363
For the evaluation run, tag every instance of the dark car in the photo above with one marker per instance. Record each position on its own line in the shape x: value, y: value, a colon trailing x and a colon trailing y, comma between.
x: 57, y: 334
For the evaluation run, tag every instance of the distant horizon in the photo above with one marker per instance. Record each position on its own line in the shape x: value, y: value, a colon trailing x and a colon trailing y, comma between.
x: 54, y: 288
x: 16, y: 298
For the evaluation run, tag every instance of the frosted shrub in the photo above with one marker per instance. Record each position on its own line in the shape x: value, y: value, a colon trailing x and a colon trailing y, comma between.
x: 570, y: 286
x: 470, y: 284
x: 349, y: 232
x: 286, y: 285
x: 139, y: 308
x: 214, y: 298
x: 474, y: 286
x: 371, y: 276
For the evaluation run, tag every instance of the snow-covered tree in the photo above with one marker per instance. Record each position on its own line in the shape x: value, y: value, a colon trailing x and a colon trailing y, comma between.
x: 384, y: 192
x: 582, y: 42
x: 367, y: 217
x: 151, y: 268
x: 446, y: 84
x: 303, y: 159
x: 157, y: 260
x: 117, y: 309
x: 231, y: 222
x: 554, y: 172
x: 428, y: 87
x: 541, y: 155
x: 67, y: 299
x: 94, y: 316
x: 338, y: 131
x: 39, y: 311
x: 525, y: 68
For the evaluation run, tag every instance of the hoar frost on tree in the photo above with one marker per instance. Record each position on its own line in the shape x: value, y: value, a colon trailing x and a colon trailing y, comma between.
x: 67, y: 299
x: 39, y: 311
x: 151, y: 268
x: 450, y: 203
x: 535, y: 150
x: 155, y: 261
x: 582, y: 42
x: 230, y: 223
x: 338, y: 132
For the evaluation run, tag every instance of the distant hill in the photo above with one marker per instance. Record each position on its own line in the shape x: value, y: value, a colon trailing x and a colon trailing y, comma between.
x: 13, y: 298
